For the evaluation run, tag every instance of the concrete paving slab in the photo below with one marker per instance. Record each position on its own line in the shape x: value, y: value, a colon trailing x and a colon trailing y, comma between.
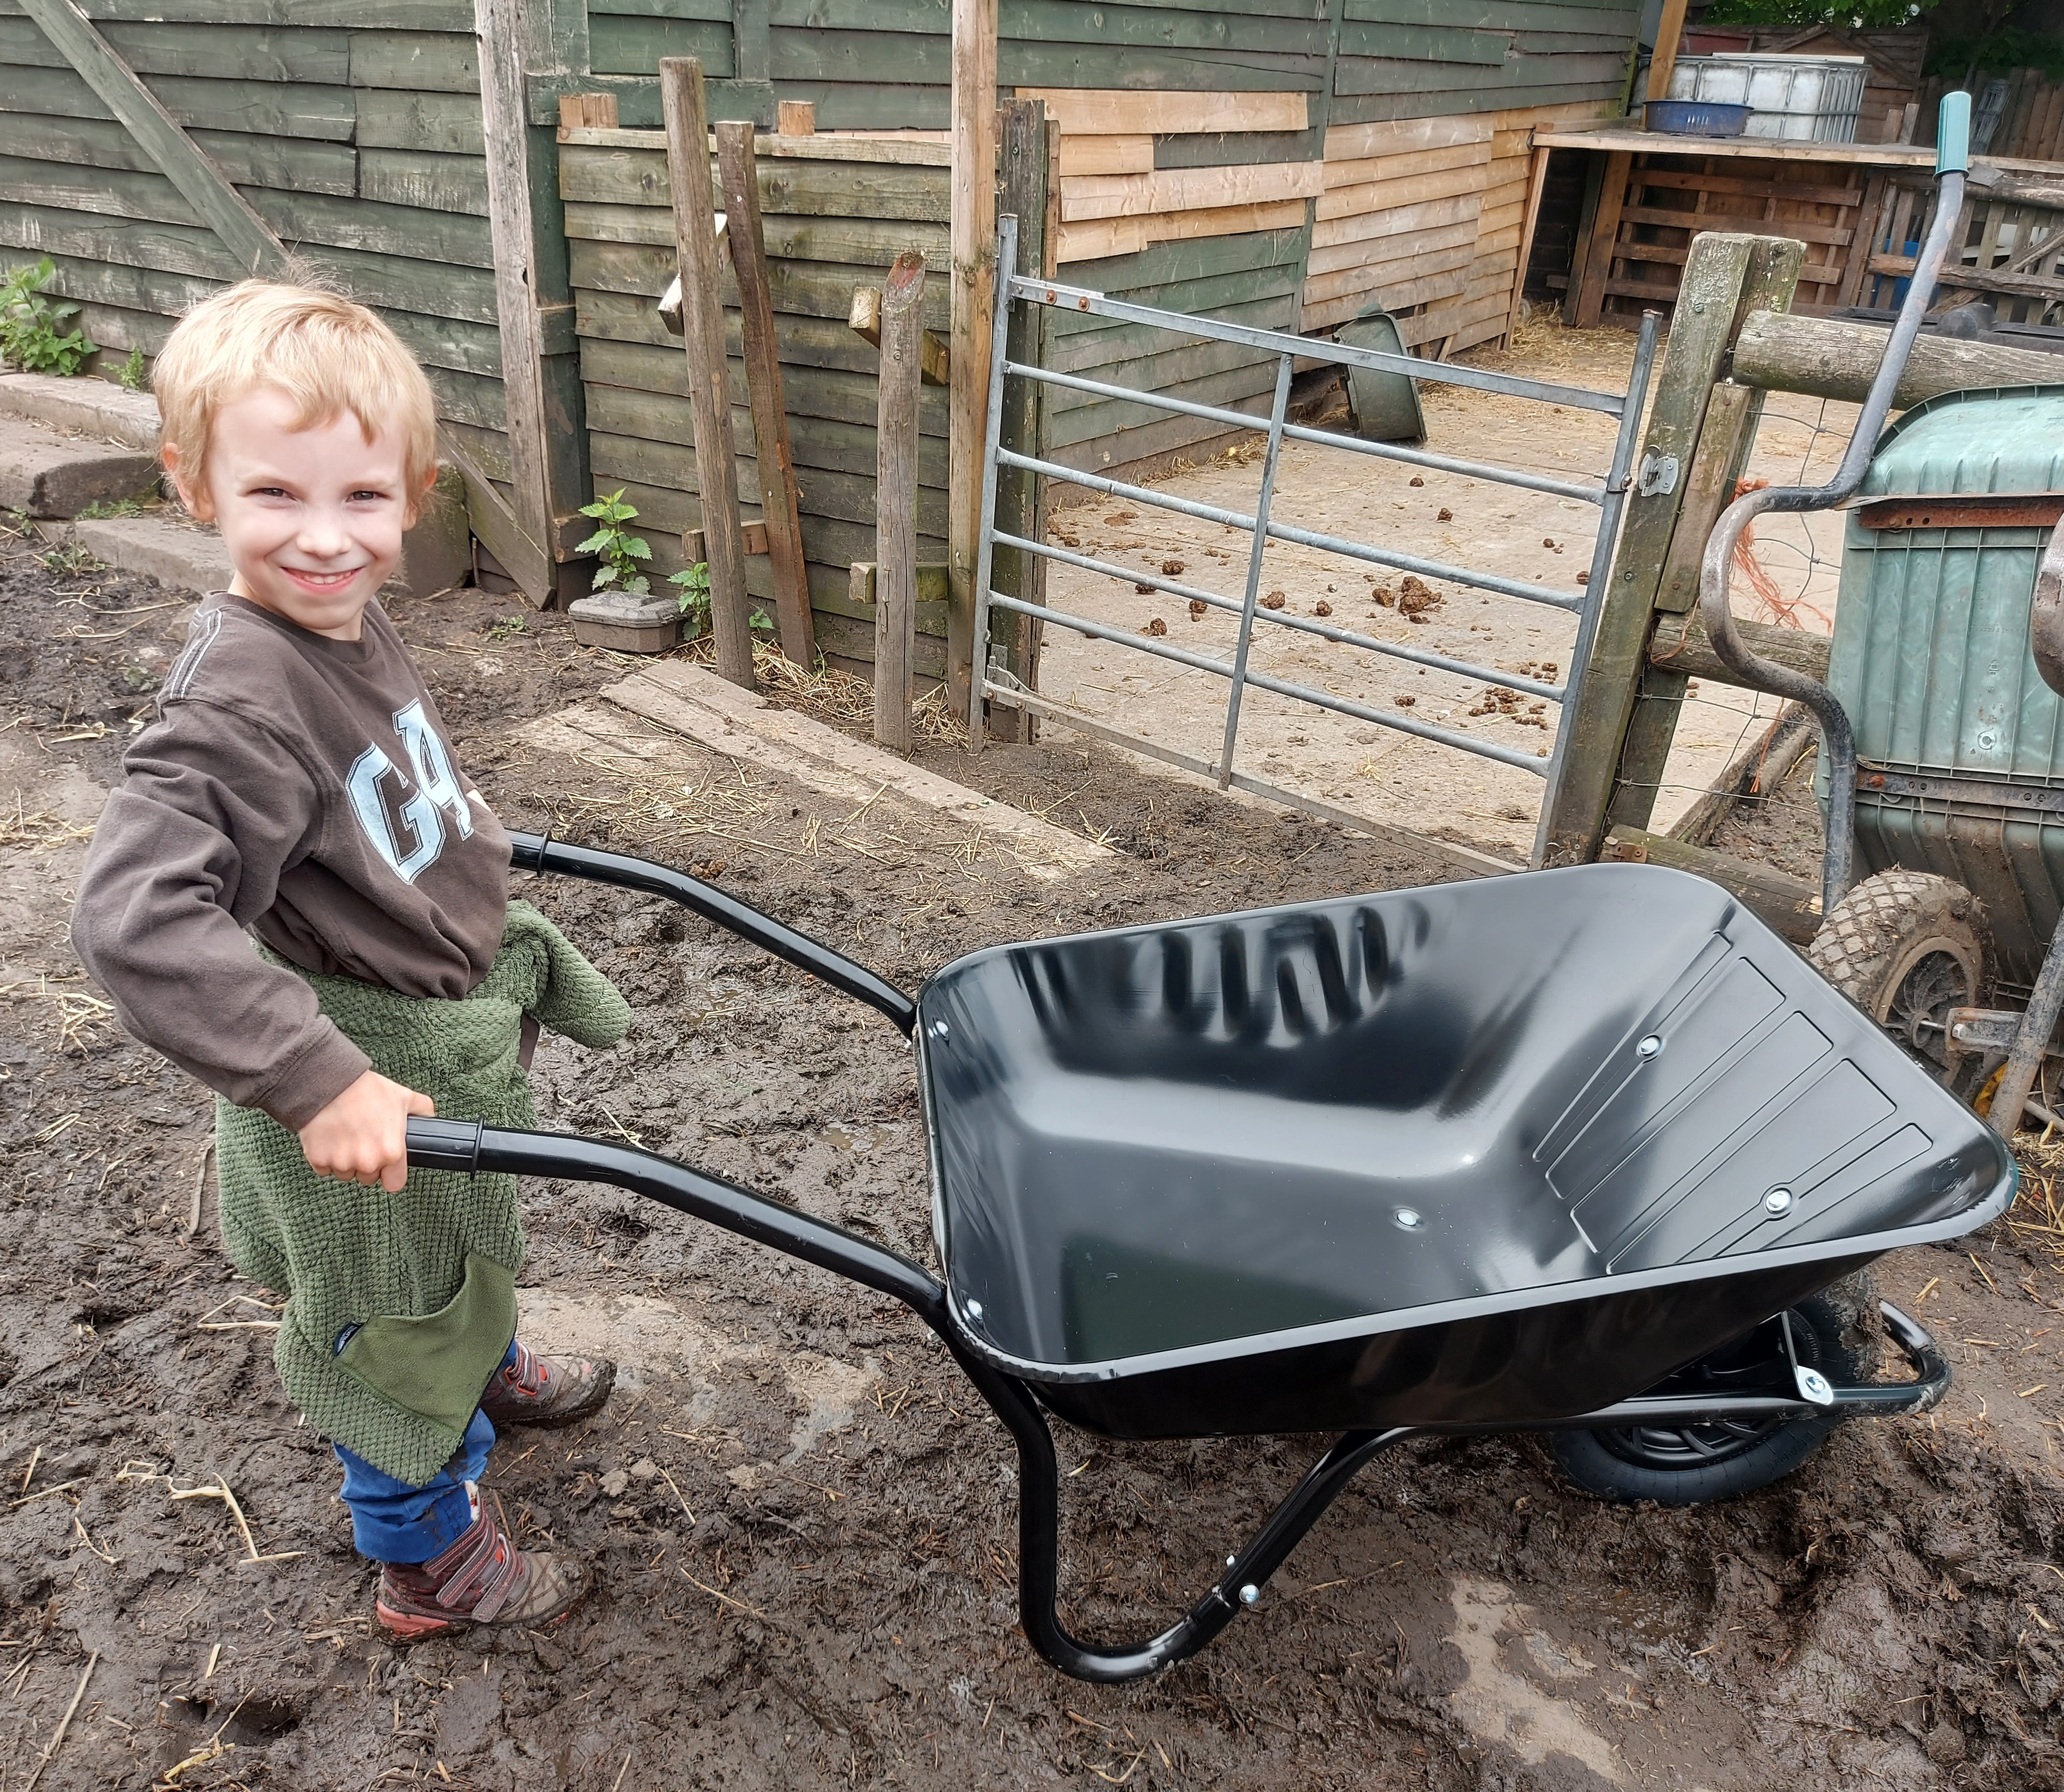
x: 86, y: 406
x: 46, y: 472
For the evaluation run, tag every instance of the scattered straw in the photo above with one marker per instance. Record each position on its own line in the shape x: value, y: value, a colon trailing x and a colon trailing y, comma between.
x: 43, y: 831
x: 219, y: 1490
x: 83, y: 1020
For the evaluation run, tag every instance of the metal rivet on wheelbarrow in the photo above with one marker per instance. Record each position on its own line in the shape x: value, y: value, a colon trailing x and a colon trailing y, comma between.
x: 974, y: 1309
x: 1250, y: 1594
x: 938, y: 1029
x: 1778, y: 1202
x: 1650, y: 1046
x: 1407, y: 1219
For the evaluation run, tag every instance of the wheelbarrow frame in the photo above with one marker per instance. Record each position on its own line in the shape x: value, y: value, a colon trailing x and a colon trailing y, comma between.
x: 471, y: 1147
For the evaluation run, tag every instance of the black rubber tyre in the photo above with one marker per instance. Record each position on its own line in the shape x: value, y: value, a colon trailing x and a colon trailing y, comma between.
x: 1906, y: 947
x: 1832, y: 1332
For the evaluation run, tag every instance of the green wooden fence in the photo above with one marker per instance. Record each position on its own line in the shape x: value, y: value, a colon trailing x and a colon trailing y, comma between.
x: 357, y: 139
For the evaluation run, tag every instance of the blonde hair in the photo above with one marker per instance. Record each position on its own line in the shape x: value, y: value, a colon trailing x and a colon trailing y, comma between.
x: 327, y: 353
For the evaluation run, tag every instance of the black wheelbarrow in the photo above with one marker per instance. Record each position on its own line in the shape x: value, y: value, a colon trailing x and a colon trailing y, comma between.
x: 1576, y: 1151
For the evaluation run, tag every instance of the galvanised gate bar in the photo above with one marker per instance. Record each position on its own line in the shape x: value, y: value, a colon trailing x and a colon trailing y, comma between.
x: 1610, y: 495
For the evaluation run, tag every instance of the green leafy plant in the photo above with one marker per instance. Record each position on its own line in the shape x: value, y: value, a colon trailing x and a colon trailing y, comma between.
x: 70, y: 559
x: 133, y: 506
x: 692, y: 587
x: 32, y: 337
x: 620, y: 552
x: 505, y: 628
x: 133, y: 372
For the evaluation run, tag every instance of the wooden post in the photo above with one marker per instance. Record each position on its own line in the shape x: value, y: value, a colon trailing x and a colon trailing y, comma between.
x: 895, y: 499
x: 1669, y: 34
x: 1026, y: 178
x: 545, y: 415
x: 974, y: 301
x: 796, y: 118
x: 739, y: 170
x: 1587, y: 289
x: 702, y: 314
x: 1700, y: 334
x: 1537, y: 182
x: 1825, y: 357
x: 1712, y: 469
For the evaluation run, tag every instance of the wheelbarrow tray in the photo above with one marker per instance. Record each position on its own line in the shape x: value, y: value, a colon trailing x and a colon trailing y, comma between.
x: 1491, y: 1152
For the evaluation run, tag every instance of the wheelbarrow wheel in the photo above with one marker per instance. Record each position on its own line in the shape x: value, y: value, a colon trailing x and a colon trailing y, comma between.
x: 1906, y: 947
x: 1700, y: 1464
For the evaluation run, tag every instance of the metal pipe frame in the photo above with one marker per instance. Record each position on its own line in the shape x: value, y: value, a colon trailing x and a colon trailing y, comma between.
x: 1584, y: 603
x: 470, y: 1148
x: 1323, y: 438
x: 1307, y: 347
x: 1282, y: 687
x: 1304, y: 624
x: 1838, y: 739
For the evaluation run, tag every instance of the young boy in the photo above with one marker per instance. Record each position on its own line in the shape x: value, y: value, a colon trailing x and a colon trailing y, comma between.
x: 298, y: 783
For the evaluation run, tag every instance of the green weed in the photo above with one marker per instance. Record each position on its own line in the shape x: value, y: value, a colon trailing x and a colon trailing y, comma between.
x: 32, y: 337
x: 620, y: 552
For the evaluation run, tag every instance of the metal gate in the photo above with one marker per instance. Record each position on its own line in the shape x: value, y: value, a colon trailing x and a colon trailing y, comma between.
x: 1609, y: 496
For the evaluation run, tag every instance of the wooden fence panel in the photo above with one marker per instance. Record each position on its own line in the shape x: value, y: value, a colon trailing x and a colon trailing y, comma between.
x: 834, y: 218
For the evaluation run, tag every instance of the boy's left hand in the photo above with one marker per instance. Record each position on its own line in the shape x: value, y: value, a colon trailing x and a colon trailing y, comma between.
x: 362, y: 1135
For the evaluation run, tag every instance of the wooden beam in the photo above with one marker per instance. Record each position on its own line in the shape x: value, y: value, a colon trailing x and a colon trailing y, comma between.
x: 1825, y: 357
x: 250, y: 241
x: 1788, y: 906
x: 739, y: 173
x: 1537, y: 182
x: 864, y: 320
x: 1588, y: 292
x: 544, y: 416
x: 796, y: 118
x: 1716, y: 465
x: 974, y: 305
x: 587, y: 111
x: 896, y: 500
x: 1681, y: 642
x: 1028, y: 179
x: 1669, y: 34
x: 702, y: 313
x: 1573, y: 819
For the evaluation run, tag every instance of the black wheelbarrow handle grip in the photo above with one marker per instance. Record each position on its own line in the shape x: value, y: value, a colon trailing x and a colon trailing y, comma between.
x: 541, y: 852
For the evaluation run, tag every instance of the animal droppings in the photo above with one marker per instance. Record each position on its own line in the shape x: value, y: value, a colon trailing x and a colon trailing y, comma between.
x: 1198, y: 606
x: 1274, y: 601
x: 1155, y: 626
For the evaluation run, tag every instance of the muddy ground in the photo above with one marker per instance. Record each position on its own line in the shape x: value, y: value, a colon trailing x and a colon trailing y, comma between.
x: 803, y: 1526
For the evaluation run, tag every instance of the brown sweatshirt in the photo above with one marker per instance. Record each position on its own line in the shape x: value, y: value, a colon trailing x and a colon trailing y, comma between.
x: 302, y: 788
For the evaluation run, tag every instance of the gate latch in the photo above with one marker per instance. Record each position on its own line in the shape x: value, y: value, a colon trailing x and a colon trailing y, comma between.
x: 1657, y: 477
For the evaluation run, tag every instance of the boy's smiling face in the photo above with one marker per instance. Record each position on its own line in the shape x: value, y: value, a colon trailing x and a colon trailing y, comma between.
x: 312, y: 518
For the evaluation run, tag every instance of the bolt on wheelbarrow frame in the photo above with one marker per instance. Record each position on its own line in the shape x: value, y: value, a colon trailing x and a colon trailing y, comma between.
x: 472, y: 1147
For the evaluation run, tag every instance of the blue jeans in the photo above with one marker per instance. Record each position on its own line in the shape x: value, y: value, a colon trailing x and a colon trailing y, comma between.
x: 392, y: 1521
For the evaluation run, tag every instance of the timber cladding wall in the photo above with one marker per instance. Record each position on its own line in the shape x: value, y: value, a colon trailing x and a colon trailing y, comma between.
x: 836, y: 214
x: 357, y: 138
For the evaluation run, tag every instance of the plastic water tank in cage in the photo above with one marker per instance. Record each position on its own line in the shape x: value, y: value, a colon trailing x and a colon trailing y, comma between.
x: 1799, y: 97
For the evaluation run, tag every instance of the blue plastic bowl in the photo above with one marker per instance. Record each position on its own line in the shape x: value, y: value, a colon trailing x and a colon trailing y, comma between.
x: 1694, y: 117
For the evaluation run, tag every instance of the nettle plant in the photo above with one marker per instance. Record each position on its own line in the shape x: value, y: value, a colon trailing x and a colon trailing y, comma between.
x: 620, y: 552
x: 32, y: 337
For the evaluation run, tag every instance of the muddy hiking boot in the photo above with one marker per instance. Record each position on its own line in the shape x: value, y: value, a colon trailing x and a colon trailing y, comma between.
x: 547, y: 1391
x: 482, y: 1579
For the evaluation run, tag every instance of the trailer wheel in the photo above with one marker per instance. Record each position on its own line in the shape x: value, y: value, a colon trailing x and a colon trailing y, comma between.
x: 1699, y: 1463
x: 1906, y: 947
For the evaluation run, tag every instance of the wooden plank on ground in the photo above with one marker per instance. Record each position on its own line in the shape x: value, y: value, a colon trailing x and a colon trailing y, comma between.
x: 690, y: 700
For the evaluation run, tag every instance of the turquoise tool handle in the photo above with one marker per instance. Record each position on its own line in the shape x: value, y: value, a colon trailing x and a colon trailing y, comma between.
x: 1952, y: 134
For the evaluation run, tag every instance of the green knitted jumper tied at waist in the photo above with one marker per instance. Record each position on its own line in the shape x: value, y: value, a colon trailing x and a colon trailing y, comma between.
x: 401, y: 1306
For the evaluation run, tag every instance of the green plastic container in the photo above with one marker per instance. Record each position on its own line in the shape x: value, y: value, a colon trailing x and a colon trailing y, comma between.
x: 1931, y: 660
